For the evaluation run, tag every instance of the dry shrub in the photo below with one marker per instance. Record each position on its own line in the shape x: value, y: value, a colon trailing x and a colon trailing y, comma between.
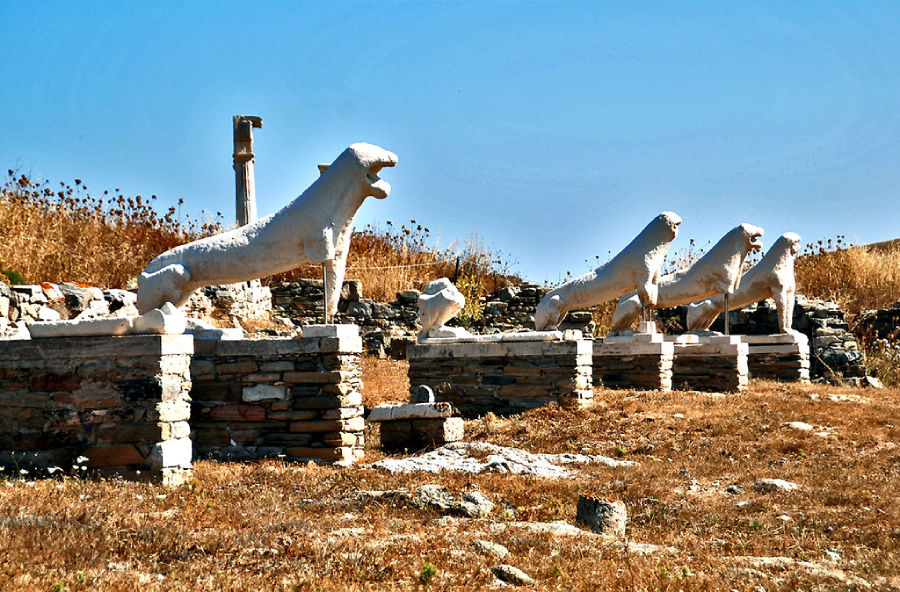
x: 391, y: 260
x: 858, y: 278
x: 63, y: 235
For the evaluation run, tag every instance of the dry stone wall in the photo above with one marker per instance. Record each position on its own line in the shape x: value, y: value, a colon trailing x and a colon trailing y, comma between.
x: 244, y: 300
x: 116, y: 405
x: 504, y: 377
x: 382, y: 323
x: 880, y: 324
x: 296, y: 398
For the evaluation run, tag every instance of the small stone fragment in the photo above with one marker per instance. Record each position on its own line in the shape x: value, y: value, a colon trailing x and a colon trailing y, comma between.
x: 774, y: 485
x: 800, y: 426
x: 491, y: 548
x: 512, y: 575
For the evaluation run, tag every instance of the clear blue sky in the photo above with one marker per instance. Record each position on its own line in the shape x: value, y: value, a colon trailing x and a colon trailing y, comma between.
x: 553, y: 130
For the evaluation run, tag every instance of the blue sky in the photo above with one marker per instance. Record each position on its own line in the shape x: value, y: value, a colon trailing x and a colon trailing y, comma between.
x: 553, y: 130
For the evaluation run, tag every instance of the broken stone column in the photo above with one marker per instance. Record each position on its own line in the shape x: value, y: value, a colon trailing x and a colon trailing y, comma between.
x: 245, y: 184
x: 602, y: 515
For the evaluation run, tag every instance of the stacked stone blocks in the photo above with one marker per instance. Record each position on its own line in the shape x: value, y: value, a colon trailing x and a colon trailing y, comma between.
x: 296, y: 398
x: 415, y: 426
x: 641, y: 361
x: 782, y: 357
x: 716, y: 363
x: 120, y: 402
x: 503, y: 377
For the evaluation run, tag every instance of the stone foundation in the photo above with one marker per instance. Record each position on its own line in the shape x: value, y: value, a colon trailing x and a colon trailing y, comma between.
x: 416, y: 425
x: 296, y: 398
x: 783, y: 356
x: 416, y: 434
x: 710, y: 363
x: 640, y: 361
x: 120, y: 402
x: 503, y: 377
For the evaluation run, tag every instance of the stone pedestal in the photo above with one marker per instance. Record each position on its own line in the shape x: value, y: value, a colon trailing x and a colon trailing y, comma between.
x: 638, y: 361
x: 504, y: 375
x: 117, y: 405
x: 783, y: 356
x: 297, y: 398
x: 710, y: 363
x: 416, y: 425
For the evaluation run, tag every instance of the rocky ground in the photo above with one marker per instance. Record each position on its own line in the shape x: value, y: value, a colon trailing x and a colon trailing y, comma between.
x: 781, y: 488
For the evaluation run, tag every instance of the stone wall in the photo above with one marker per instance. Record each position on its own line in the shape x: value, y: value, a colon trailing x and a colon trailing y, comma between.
x: 302, y: 303
x: 120, y: 402
x: 243, y: 300
x: 641, y: 361
x: 381, y: 323
x: 53, y: 302
x: 780, y: 357
x: 880, y: 324
x: 297, y: 398
x: 294, y: 304
x: 503, y: 377
x: 717, y: 363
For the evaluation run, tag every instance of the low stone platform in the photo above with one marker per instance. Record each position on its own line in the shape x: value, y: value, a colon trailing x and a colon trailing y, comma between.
x: 783, y: 356
x: 120, y: 402
x: 639, y: 361
x: 296, y: 398
x: 710, y: 363
x: 504, y: 376
x: 416, y: 425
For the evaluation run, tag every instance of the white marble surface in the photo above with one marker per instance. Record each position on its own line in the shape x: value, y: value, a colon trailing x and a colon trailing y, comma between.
x: 635, y: 268
x: 772, y: 277
x: 717, y: 272
x: 314, y: 228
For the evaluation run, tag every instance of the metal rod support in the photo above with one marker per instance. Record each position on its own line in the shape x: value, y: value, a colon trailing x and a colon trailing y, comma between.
x: 727, y: 328
x: 325, y: 290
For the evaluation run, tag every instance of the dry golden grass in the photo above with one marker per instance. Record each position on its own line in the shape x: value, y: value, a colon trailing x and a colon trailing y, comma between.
x: 391, y: 260
x: 68, y: 235
x: 857, y: 278
x: 277, y: 526
x: 386, y: 381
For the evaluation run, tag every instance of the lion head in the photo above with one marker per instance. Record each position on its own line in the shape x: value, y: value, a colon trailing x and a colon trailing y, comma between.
x: 671, y: 220
x: 751, y: 234
x: 369, y: 159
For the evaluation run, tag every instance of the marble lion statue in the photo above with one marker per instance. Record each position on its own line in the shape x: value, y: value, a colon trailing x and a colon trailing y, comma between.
x: 635, y: 268
x: 717, y: 272
x: 772, y: 277
x: 314, y: 228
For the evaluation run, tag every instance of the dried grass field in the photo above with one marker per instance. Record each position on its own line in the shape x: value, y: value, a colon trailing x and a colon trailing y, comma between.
x: 277, y: 526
